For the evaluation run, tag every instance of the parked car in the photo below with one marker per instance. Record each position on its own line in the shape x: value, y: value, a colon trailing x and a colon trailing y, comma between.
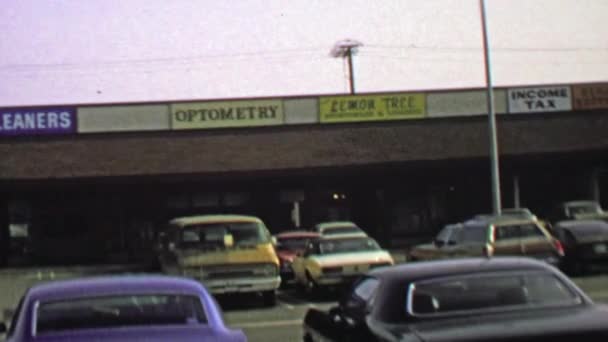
x: 227, y: 253
x: 338, y: 228
x: 576, y: 210
x: 585, y: 243
x: 288, y: 245
x: 492, y: 236
x: 119, y: 308
x: 522, y: 213
x: 476, y: 299
x: 339, y: 260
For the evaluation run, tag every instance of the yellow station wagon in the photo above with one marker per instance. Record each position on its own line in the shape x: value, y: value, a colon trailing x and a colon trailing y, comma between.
x: 492, y: 236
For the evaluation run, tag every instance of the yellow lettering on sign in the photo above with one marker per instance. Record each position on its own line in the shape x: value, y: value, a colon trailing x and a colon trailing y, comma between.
x: 371, y: 107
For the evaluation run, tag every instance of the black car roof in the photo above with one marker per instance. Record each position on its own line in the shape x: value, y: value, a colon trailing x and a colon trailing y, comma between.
x: 410, y: 272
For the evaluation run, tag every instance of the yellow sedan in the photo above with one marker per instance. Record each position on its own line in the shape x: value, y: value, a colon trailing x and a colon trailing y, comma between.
x: 337, y: 260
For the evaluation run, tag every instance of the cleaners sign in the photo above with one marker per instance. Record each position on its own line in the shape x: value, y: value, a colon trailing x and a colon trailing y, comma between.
x: 37, y: 121
x: 226, y: 114
x: 534, y: 100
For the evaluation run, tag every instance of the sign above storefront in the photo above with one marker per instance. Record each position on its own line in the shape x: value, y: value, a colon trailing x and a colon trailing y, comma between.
x: 37, y: 121
x: 590, y: 96
x: 201, y: 115
x: 539, y: 99
x: 371, y: 107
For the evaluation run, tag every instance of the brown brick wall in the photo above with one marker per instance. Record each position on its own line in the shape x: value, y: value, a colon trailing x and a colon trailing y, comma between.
x: 296, y: 147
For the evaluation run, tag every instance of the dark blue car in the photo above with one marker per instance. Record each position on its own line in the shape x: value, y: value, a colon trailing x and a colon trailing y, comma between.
x: 120, y: 308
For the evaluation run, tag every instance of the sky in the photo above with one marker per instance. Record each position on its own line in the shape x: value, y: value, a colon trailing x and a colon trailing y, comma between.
x: 122, y: 51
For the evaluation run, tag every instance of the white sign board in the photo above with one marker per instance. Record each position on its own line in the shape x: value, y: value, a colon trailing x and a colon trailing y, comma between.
x: 541, y: 99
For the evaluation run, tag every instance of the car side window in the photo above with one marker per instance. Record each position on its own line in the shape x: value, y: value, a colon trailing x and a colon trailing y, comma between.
x: 530, y: 230
x: 507, y: 232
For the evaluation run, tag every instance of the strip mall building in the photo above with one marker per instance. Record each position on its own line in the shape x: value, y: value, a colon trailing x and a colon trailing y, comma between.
x: 399, y: 164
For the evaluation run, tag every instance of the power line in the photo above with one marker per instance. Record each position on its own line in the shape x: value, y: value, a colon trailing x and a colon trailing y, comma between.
x: 164, y: 60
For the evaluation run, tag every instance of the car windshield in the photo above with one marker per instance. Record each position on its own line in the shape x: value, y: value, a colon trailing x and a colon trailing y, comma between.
x: 292, y: 243
x: 474, y: 233
x: 489, y: 292
x: 348, y: 245
x: 341, y: 230
x: 118, y: 311
x: 212, y: 235
x: 587, y: 208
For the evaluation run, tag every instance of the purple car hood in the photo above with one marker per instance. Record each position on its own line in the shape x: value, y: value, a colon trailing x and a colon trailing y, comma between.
x: 165, y: 333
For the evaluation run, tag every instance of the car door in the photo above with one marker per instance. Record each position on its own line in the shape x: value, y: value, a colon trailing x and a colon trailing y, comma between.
x: 454, y: 246
x: 507, y: 239
x: 536, y: 242
x: 472, y: 240
x: 356, y: 306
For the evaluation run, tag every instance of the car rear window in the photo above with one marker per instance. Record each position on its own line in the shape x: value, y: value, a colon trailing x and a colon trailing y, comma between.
x: 348, y: 245
x: 489, y: 293
x: 341, y: 230
x: 118, y: 311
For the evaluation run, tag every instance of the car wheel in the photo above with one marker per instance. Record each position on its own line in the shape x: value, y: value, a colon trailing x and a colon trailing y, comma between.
x: 269, y: 298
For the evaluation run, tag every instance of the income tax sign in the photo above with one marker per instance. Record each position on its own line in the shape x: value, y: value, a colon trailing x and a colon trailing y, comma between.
x: 539, y: 99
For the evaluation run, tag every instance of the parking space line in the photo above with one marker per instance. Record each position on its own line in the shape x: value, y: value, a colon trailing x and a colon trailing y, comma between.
x: 288, y: 306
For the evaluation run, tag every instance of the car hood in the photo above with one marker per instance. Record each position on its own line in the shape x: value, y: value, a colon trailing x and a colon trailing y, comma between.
x: 546, y: 325
x: 340, y: 259
x: 152, y: 334
x: 588, y: 232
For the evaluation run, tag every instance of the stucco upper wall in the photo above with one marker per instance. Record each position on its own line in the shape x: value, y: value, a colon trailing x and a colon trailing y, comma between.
x: 297, y: 147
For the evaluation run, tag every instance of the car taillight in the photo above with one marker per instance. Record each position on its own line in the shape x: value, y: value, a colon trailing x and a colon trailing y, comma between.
x: 559, y: 247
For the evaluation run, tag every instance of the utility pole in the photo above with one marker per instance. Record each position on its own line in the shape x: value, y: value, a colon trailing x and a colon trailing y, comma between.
x: 496, y: 201
x: 345, y: 49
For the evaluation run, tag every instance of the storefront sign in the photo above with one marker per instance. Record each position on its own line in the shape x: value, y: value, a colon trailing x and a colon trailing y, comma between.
x: 226, y: 114
x: 37, y: 121
x: 371, y: 108
x: 541, y: 99
x: 591, y: 96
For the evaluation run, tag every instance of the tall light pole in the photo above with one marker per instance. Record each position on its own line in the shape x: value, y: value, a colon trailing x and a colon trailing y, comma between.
x: 345, y: 49
x: 496, y: 202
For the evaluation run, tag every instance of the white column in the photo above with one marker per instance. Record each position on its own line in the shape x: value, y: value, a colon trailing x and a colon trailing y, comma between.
x: 516, y: 200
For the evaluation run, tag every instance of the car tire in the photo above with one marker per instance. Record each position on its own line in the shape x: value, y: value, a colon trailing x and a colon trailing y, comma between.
x: 269, y: 298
